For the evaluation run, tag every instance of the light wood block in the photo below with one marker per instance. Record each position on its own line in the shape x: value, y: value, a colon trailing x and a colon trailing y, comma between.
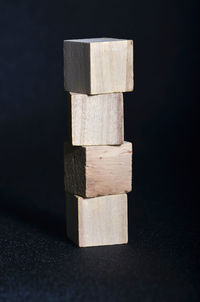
x: 96, y: 66
x: 92, y: 171
x: 97, y: 221
x: 96, y: 119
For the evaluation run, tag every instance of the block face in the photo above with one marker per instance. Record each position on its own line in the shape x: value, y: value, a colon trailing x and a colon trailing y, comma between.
x: 74, y: 169
x: 96, y: 66
x: 101, y: 220
x: 76, y: 67
x: 92, y: 171
x: 112, y: 66
x: 108, y: 169
x: 97, y: 119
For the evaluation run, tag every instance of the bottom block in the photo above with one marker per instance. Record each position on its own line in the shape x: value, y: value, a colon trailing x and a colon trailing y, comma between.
x: 97, y: 221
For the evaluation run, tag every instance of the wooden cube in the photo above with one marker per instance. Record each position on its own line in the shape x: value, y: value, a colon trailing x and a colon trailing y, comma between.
x: 97, y: 221
x: 96, y: 66
x: 92, y: 171
x: 96, y: 119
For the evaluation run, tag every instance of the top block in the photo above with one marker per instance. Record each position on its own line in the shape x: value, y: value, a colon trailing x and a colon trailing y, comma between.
x: 95, y: 66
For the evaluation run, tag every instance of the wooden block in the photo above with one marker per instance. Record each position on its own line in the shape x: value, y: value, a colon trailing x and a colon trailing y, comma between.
x: 96, y: 119
x: 97, y: 221
x: 92, y: 171
x: 96, y: 66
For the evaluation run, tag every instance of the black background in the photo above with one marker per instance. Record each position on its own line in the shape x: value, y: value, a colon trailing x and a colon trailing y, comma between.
x: 37, y: 262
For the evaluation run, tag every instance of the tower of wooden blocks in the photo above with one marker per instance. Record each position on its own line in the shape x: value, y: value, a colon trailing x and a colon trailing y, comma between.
x: 97, y: 160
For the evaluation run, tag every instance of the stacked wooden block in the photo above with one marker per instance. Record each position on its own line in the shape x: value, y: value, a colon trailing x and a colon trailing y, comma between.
x: 97, y: 161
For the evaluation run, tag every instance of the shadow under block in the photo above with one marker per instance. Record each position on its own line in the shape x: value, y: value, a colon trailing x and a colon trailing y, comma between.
x: 91, y: 171
x: 96, y: 66
x: 96, y: 119
x: 97, y: 221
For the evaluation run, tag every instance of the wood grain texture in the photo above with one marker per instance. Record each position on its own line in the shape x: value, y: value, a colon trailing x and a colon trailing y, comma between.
x: 111, y: 66
x: 92, y: 171
x: 96, y: 119
x: 96, y: 66
x: 97, y: 221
